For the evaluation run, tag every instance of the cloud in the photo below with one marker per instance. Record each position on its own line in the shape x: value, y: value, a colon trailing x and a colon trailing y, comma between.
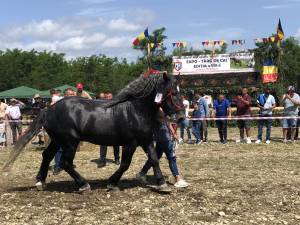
x: 297, y: 35
x: 280, y: 6
x: 97, y: 1
x: 122, y: 24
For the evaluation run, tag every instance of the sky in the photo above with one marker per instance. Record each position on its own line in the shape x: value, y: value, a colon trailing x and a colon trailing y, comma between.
x: 87, y: 27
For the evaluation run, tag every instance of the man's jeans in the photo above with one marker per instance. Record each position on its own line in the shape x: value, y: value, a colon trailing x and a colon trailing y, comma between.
x: 184, y: 125
x: 16, y: 126
x: 203, y: 130
x: 57, y: 158
x: 261, y: 124
x: 167, y: 148
x: 196, y: 130
x: 222, y: 128
x: 103, y: 153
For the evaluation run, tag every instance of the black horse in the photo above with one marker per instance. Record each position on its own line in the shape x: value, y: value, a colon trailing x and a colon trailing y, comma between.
x: 128, y: 121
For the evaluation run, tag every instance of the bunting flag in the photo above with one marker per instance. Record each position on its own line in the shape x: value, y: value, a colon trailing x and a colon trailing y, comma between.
x: 272, y: 39
x: 141, y: 37
x: 269, y: 72
x: 179, y: 44
x: 151, y: 46
x: 238, y: 42
x: 258, y: 40
x: 279, y: 31
x: 213, y: 42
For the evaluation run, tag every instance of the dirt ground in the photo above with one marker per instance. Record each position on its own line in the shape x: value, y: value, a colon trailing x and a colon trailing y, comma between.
x: 230, y: 184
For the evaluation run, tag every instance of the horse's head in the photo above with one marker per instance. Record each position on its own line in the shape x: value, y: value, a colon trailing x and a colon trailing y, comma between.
x: 169, y: 98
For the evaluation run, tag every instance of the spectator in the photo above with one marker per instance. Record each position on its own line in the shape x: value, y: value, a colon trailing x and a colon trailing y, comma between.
x: 37, y: 106
x: 266, y: 103
x: 56, y: 169
x: 2, y: 133
x: 184, y: 124
x: 291, y: 102
x: 55, y: 96
x: 196, y: 124
x: 3, y: 107
x: 243, y: 103
x: 13, y: 114
x: 222, y: 109
x: 163, y: 137
x: 69, y: 92
x: 103, y: 148
x: 81, y: 92
x: 204, y: 110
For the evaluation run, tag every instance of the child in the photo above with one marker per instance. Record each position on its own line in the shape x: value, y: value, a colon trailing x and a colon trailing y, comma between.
x: 164, y: 144
x: 2, y: 134
x: 196, y: 124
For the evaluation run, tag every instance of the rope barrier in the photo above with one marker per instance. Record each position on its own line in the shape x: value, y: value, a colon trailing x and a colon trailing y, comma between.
x: 244, y: 118
x: 210, y: 118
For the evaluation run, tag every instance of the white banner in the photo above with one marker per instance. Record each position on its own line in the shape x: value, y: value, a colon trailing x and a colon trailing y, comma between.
x: 202, y: 63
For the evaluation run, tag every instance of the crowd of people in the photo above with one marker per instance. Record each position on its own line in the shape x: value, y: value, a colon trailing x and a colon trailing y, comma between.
x: 221, y: 108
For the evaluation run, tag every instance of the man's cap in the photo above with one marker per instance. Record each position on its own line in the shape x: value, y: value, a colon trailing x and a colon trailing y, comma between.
x: 36, y: 96
x: 291, y: 88
x: 13, y: 100
x: 79, y: 86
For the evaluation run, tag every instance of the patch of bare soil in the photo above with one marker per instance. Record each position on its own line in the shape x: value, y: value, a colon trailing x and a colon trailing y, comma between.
x: 230, y: 184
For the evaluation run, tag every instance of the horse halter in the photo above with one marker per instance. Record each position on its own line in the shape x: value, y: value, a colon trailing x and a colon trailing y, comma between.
x: 169, y: 96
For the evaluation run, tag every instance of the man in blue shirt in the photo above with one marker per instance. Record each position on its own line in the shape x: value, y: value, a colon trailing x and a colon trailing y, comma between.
x: 204, y: 111
x: 222, y: 109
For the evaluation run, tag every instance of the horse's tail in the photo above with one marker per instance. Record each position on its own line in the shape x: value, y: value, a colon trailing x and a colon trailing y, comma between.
x: 32, y: 130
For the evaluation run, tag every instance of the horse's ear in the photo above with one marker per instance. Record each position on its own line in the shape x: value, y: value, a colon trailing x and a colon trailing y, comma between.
x: 166, y: 77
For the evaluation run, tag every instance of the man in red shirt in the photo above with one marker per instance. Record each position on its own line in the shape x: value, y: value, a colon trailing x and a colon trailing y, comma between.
x: 243, y: 104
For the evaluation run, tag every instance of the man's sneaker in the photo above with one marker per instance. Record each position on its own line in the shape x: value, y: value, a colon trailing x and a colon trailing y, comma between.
x: 141, y: 178
x: 117, y: 162
x: 101, y: 164
x: 224, y: 142
x: 180, y: 141
x: 284, y: 140
x: 239, y: 141
x: 268, y: 141
x: 198, y: 142
x: 248, y: 141
x: 181, y: 184
x: 190, y: 141
x: 258, y: 141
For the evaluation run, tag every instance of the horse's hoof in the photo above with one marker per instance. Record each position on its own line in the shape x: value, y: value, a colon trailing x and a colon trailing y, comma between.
x: 40, y: 186
x: 164, y: 188
x: 111, y: 187
x: 84, y: 188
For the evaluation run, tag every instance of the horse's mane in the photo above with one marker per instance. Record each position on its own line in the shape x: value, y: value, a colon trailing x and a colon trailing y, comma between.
x: 138, y: 88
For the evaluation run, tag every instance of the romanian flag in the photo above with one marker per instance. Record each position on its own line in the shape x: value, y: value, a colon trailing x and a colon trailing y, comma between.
x: 269, y: 72
x: 279, y: 32
x: 141, y: 36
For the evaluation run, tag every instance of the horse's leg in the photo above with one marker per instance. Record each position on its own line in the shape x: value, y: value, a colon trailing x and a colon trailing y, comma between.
x: 152, y: 156
x: 68, y: 155
x: 48, y: 155
x: 127, y: 153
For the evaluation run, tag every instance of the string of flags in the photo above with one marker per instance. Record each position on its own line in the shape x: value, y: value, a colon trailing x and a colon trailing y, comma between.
x: 179, y: 44
x: 277, y: 38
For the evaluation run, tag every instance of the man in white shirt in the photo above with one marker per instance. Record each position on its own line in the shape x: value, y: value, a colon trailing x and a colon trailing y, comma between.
x: 184, y: 124
x: 266, y: 103
x: 13, y: 114
x: 291, y: 103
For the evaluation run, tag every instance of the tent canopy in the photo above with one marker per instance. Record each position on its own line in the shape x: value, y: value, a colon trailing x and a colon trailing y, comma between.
x: 20, y: 92
x: 62, y: 89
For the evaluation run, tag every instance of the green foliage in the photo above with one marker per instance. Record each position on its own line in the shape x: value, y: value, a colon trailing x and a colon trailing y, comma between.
x: 286, y: 56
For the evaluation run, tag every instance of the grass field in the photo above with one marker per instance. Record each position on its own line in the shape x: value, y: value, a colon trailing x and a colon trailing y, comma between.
x: 230, y: 184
